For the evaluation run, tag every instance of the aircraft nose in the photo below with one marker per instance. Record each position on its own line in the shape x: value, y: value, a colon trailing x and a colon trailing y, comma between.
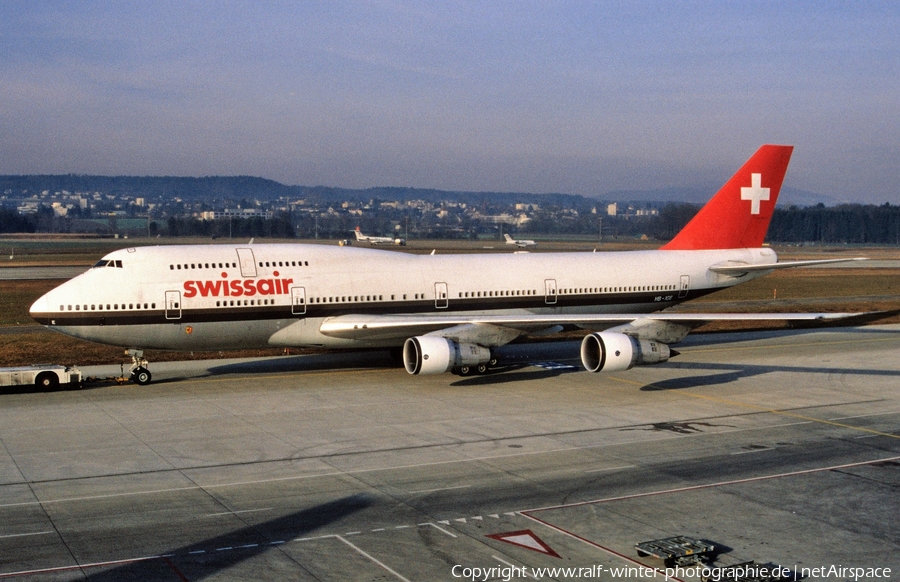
x: 40, y: 310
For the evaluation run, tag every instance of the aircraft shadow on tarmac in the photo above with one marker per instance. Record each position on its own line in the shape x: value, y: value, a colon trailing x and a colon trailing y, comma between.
x: 303, y: 363
x: 796, y: 329
x: 516, y: 373
x: 210, y: 557
x: 736, y: 372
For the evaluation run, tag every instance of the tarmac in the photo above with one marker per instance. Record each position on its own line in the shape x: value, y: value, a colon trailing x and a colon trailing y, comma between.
x: 779, y: 447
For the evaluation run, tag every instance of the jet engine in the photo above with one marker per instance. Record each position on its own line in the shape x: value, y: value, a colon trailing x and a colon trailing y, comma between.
x: 435, y: 355
x: 613, y: 352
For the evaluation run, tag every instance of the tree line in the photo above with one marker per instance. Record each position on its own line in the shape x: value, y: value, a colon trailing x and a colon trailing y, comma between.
x: 844, y: 224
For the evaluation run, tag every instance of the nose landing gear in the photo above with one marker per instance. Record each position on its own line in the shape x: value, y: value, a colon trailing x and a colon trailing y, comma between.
x: 138, y: 371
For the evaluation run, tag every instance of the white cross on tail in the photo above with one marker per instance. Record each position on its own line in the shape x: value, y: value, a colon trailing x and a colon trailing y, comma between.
x: 754, y: 193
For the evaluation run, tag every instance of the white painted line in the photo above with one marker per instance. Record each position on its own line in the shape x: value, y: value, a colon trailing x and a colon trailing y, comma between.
x: 352, y: 533
x: 22, y: 535
x: 524, y: 512
x: 865, y: 415
x: 79, y: 566
x: 610, y: 469
x: 378, y: 529
x: 439, y: 489
x: 237, y: 512
x: 442, y: 530
x: 753, y: 451
x: 372, y: 558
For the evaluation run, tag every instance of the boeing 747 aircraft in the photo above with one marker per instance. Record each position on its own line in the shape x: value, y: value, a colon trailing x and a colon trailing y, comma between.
x: 448, y: 312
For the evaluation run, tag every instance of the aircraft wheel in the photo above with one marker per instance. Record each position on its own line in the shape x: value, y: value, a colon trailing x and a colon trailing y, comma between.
x: 465, y: 370
x: 482, y: 369
x: 46, y: 381
x: 141, y: 376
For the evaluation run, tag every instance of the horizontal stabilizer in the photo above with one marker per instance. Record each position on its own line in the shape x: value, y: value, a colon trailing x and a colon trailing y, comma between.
x: 735, y: 269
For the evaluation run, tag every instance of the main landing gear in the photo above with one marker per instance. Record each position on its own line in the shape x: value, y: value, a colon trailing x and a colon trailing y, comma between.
x: 138, y: 371
x: 475, y: 369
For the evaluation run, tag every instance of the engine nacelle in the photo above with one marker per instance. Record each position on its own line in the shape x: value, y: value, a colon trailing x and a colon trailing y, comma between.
x: 429, y: 354
x: 614, y: 352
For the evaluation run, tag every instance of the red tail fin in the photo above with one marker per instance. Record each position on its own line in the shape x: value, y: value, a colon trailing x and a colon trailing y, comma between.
x: 738, y: 215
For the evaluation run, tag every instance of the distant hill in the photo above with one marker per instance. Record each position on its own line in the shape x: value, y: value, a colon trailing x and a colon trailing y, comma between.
x: 235, y: 188
x: 148, y: 186
x: 251, y: 188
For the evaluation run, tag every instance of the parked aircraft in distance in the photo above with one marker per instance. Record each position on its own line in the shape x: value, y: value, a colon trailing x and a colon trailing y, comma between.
x: 519, y: 243
x: 448, y: 312
x: 378, y: 240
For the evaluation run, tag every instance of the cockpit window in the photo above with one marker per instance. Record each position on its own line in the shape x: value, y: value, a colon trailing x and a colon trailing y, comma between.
x: 107, y: 263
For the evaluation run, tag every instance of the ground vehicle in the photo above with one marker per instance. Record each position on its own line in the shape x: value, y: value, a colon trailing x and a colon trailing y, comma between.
x: 676, y: 551
x: 46, y: 376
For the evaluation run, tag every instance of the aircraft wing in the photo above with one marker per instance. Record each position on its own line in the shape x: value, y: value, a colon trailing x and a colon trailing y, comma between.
x: 469, y: 327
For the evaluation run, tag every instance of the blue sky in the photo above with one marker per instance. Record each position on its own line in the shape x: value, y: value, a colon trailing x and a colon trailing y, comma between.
x: 576, y: 97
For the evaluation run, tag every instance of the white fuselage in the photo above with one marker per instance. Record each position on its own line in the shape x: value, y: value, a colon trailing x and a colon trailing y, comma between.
x: 212, y: 297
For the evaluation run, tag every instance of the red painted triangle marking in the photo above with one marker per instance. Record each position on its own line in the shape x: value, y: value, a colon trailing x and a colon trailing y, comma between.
x: 525, y: 539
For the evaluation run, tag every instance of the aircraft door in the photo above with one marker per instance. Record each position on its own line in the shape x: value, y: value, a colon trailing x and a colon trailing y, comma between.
x: 550, y: 291
x: 685, y: 285
x: 247, y: 262
x: 173, y: 304
x: 298, y: 300
x: 441, y: 297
